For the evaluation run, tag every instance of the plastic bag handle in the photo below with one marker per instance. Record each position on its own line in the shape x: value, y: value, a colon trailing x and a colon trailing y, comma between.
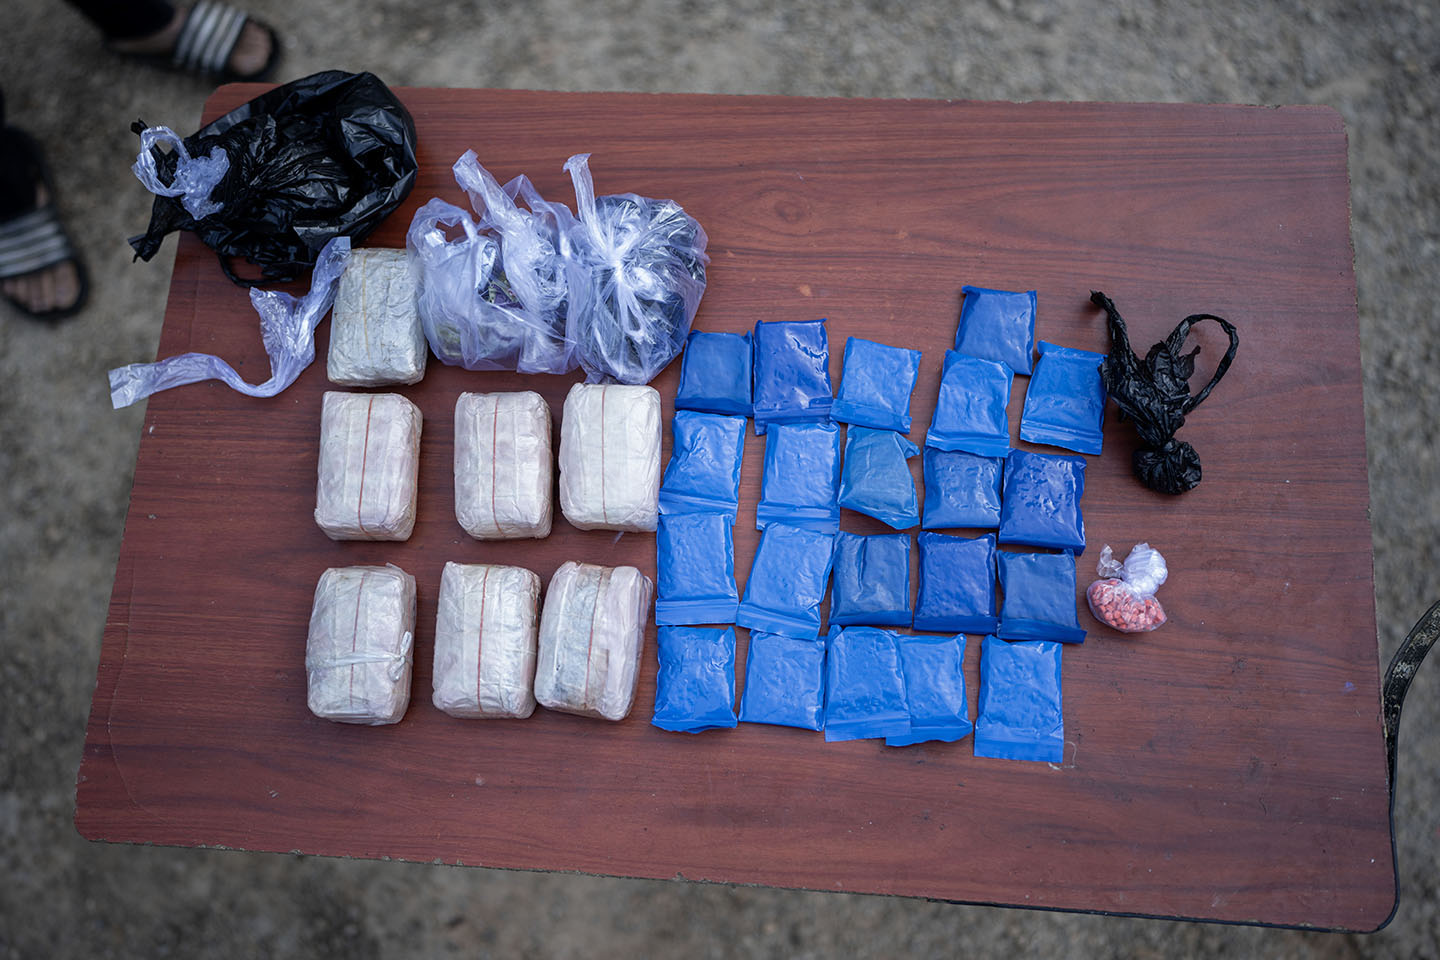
x: 1176, y: 341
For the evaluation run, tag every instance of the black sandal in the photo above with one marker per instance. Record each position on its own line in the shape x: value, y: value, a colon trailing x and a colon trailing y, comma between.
x: 206, y: 40
x: 36, y: 240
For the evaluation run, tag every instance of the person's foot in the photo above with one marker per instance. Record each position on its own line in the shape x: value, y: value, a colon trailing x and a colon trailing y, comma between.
x: 52, y: 289
x: 253, y: 49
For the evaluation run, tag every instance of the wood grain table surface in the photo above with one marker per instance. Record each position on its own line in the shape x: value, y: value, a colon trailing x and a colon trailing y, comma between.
x: 1228, y: 767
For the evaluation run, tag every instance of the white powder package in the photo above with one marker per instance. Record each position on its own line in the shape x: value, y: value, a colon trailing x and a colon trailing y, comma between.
x: 485, y: 633
x: 592, y: 634
x: 375, y: 333
x: 360, y: 649
x: 610, y: 457
x: 369, y: 461
x: 503, y: 465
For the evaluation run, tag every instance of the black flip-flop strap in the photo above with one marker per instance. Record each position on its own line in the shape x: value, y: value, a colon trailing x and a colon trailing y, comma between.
x: 33, y: 241
x: 208, y: 37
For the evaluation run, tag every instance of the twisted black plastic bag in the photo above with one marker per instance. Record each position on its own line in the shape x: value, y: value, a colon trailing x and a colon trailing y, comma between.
x: 1155, y: 393
x: 325, y: 156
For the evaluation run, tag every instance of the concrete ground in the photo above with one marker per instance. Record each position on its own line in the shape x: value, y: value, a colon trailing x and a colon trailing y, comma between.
x: 66, y: 458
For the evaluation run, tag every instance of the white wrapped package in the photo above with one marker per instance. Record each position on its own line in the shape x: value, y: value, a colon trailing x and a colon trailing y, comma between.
x: 503, y: 472
x: 610, y: 457
x: 375, y: 332
x: 369, y: 458
x: 485, y: 641
x: 361, y: 645
x: 592, y: 633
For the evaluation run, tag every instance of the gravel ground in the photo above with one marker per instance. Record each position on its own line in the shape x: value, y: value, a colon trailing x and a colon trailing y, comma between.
x: 66, y: 458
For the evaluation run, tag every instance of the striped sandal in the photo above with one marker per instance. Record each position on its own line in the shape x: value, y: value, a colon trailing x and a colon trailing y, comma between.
x: 36, y: 240
x: 207, y: 40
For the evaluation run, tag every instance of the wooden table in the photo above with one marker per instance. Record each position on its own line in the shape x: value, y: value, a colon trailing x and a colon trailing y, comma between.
x: 1228, y: 767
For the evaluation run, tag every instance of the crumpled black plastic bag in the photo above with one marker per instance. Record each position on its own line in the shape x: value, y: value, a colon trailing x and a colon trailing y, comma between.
x: 327, y: 155
x: 1155, y: 393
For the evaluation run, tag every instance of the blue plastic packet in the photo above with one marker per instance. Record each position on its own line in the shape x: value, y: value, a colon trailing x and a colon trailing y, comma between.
x: 715, y: 374
x: 872, y: 580
x: 864, y: 685
x: 696, y: 561
x: 1039, y: 599
x: 957, y: 584
x: 961, y: 489
x: 1020, y: 707
x: 875, y: 385
x: 876, y: 480
x: 1040, y: 502
x: 802, y: 477
x: 934, y: 690
x: 998, y: 325
x: 970, y: 411
x: 792, y: 372
x: 1065, y: 402
x: 784, y: 682
x: 787, y: 582
x: 695, y: 685
x: 703, y: 475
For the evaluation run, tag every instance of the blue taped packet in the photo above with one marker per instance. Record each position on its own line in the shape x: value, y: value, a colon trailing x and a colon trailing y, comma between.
x: 1065, y: 402
x: 998, y: 325
x: 715, y: 373
x: 971, y: 410
x: 787, y: 582
x: 695, y: 684
x: 703, y: 474
x: 957, y: 584
x: 876, y: 381
x: 784, y: 682
x: 934, y: 690
x: 1039, y: 599
x: 961, y: 489
x: 696, y: 569
x: 801, y: 480
x: 864, y: 685
x: 1040, y: 501
x: 871, y: 583
x: 792, y: 372
x: 876, y: 480
x: 1021, y: 713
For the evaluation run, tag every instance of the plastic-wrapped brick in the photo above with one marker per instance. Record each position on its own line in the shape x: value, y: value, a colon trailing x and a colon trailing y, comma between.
x: 592, y: 633
x: 369, y: 458
x: 610, y: 457
x: 360, y: 648
x: 485, y: 636
x: 375, y: 332
x: 503, y: 473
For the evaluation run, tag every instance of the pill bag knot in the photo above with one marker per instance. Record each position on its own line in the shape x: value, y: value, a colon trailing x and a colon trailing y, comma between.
x: 194, y: 177
x: 1144, y: 568
x: 397, y: 662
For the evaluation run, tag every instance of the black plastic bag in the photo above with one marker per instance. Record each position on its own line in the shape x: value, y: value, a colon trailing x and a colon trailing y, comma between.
x: 1155, y: 393
x: 324, y: 156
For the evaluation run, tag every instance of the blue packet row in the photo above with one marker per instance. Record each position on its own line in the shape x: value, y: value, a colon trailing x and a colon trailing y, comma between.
x: 957, y: 584
x: 715, y: 374
x: 696, y: 561
x: 871, y: 581
x: 864, y: 686
x: 787, y: 582
x: 1040, y: 502
x: 934, y: 690
x: 792, y: 372
x: 876, y: 381
x: 784, y: 682
x: 1039, y: 599
x: 961, y: 489
x: 1021, y: 715
x: 876, y: 479
x: 998, y: 325
x: 802, y: 477
x: 695, y: 685
x: 703, y: 475
x: 1065, y: 402
x: 971, y: 409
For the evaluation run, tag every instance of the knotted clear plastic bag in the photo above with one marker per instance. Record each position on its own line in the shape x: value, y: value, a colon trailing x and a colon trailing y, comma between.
x: 1124, y: 596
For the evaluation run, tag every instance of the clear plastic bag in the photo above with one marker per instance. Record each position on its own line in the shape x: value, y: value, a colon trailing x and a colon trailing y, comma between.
x: 636, y: 272
x: 1124, y: 596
